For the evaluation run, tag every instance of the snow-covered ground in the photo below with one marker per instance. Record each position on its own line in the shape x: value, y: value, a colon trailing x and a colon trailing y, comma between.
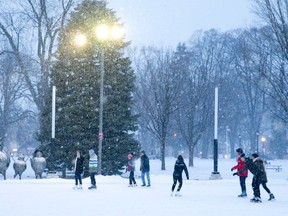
x: 200, y: 196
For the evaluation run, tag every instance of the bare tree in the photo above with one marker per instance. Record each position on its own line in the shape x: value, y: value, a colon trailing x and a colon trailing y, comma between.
x: 40, y: 22
x: 274, y: 13
x: 157, y: 92
x: 13, y: 96
x: 251, y: 59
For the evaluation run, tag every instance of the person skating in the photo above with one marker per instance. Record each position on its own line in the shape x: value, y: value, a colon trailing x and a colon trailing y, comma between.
x: 255, y: 170
x: 131, y: 168
x: 243, y: 176
x: 263, y: 179
x: 145, y: 169
x: 78, y: 170
x: 177, y: 174
x: 93, y: 165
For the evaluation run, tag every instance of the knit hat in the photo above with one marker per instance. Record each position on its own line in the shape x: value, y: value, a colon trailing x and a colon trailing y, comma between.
x: 91, y: 152
x: 255, y: 155
x: 239, y: 150
x: 129, y: 156
x: 242, y: 155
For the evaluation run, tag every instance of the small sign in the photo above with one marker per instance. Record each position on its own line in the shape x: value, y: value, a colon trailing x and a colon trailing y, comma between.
x: 100, y: 136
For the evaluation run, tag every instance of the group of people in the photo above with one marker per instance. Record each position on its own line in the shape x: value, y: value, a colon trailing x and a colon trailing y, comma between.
x: 144, y: 168
x: 179, y: 167
x: 256, y: 166
x: 79, y: 167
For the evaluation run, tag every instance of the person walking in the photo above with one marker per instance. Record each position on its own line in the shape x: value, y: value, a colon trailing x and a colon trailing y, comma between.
x: 131, y: 168
x: 243, y: 176
x: 177, y: 174
x: 145, y: 169
x: 93, y: 165
x: 78, y: 168
x: 263, y: 178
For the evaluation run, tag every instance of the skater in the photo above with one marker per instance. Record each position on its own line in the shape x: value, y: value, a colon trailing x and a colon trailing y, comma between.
x: 255, y: 170
x: 131, y: 168
x: 243, y: 176
x: 145, y: 169
x: 78, y: 170
x: 93, y: 163
x: 177, y: 174
x: 263, y: 179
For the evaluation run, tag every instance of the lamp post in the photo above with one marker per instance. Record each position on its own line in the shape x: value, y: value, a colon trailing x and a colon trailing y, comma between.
x: 240, y: 144
x: 215, y: 174
x: 103, y: 33
x: 257, y: 142
x: 263, y: 140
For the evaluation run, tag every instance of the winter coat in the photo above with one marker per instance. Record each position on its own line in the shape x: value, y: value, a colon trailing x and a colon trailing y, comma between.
x: 79, y: 165
x: 252, y: 167
x: 240, y: 166
x: 144, y: 167
x: 93, y: 162
x: 179, y: 167
x: 260, y: 163
x: 131, y: 165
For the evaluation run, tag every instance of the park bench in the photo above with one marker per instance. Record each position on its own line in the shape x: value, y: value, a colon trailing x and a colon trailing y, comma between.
x: 277, y: 168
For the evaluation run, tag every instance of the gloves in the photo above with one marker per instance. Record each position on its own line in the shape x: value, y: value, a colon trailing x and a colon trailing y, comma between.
x: 235, y: 174
x: 231, y: 169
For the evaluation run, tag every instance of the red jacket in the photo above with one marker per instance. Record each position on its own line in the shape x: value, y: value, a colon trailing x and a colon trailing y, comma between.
x: 240, y: 166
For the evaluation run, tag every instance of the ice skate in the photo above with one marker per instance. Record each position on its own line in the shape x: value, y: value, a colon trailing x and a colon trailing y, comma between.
x: 272, y: 197
x: 178, y: 194
x: 243, y: 194
x: 256, y: 200
x: 92, y: 187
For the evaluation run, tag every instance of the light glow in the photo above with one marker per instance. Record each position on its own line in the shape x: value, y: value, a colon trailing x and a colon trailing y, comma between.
x: 80, y: 40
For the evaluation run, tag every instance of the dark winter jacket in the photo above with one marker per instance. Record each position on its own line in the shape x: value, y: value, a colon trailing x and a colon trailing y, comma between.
x: 144, y: 167
x: 252, y: 167
x: 79, y: 165
x: 179, y: 167
x: 240, y: 166
x: 131, y: 165
x: 260, y: 163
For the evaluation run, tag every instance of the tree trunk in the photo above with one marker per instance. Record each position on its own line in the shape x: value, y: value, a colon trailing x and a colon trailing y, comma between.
x: 191, y: 155
x: 162, y: 154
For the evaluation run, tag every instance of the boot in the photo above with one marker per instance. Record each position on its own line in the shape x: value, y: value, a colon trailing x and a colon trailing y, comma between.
x: 271, y: 197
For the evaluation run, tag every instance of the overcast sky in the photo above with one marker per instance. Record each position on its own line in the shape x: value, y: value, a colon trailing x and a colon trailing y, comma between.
x: 168, y: 22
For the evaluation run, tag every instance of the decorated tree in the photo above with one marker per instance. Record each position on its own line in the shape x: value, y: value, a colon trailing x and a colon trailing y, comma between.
x: 76, y: 76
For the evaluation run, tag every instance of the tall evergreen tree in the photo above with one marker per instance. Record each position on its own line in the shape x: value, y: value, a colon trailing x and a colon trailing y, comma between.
x: 76, y: 75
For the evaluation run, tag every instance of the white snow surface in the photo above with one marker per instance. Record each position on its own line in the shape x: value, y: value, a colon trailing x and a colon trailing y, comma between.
x: 113, y: 197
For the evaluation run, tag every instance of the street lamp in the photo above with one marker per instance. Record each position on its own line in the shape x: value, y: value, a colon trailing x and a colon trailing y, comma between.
x: 263, y: 140
x: 103, y: 33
